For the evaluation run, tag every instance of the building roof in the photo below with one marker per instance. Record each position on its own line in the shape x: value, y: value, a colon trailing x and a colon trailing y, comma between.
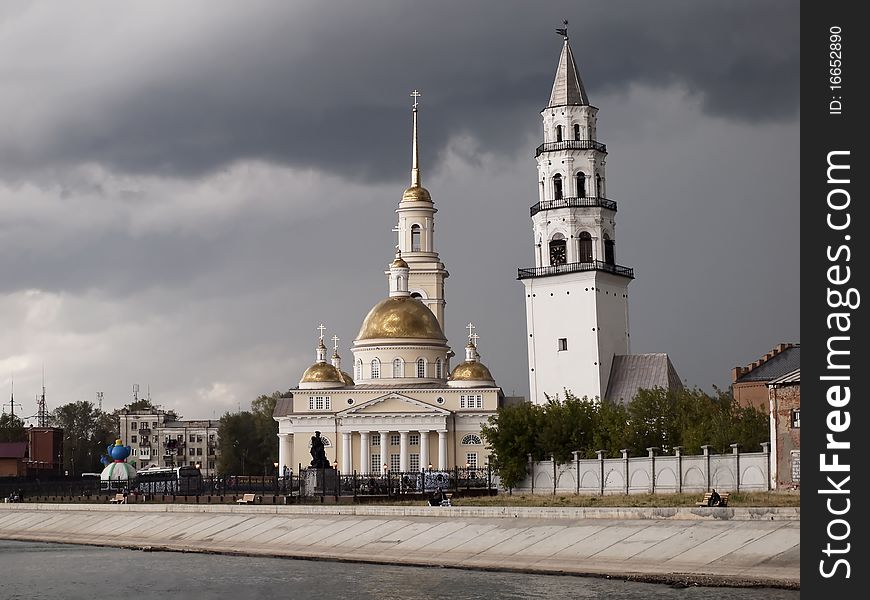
x: 783, y: 359
x: 13, y: 449
x: 567, y: 87
x: 283, y: 407
x: 632, y: 372
x: 788, y: 379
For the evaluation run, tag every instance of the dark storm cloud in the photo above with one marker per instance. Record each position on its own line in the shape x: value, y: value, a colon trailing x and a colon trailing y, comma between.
x: 286, y: 83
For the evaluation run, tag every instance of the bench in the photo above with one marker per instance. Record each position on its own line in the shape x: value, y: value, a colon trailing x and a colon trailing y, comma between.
x: 722, y: 502
x: 247, y: 499
x: 118, y: 499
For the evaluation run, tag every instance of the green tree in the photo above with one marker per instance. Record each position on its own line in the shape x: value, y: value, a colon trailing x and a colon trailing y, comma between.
x: 11, y: 428
x: 87, y: 432
x: 249, y: 439
x: 512, y: 434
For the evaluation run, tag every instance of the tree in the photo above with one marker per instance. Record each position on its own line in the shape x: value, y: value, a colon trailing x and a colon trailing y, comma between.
x: 11, y: 428
x: 248, y: 439
x: 512, y: 434
x: 87, y: 431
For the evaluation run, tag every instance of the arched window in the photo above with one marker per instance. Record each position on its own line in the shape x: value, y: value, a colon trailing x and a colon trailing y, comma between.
x: 558, y: 250
x: 415, y: 238
x: 472, y: 440
x: 398, y: 371
x: 576, y: 131
x: 439, y: 369
x: 558, y: 133
x: 585, y: 247
x: 358, y: 369
x: 376, y: 369
x: 557, y: 186
x: 608, y: 250
x: 581, y: 184
x: 421, y: 367
x: 598, y: 191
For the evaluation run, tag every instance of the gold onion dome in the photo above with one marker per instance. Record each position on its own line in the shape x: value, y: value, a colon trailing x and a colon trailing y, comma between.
x: 322, y: 372
x: 399, y: 263
x: 400, y: 317
x: 416, y: 193
x: 348, y: 380
x: 471, y: 371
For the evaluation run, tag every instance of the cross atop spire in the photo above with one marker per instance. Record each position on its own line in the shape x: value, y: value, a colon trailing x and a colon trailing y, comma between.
x: 322, y: 328
x: 335, y: 340
x: 470, y: 327
x: 415, y: 94
x: 473, y: 339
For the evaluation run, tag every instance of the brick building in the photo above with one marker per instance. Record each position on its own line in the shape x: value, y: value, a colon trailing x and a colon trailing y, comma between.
x: 785, y: 430
x: 749, y: 383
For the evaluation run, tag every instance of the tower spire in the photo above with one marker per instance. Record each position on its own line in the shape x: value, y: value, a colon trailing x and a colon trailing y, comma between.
x: 567, y: 85
x: 415, y: 158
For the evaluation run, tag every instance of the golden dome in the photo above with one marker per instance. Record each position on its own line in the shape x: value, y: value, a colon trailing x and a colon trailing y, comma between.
x: 348, y: 380
x: 416, y: 193
x: 471, y: 371
x: 322, y: 372
x: 400, y: 317
x: 399, y: 263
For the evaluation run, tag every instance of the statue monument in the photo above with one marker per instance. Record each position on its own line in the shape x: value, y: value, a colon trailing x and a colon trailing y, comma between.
x: 318, y: 453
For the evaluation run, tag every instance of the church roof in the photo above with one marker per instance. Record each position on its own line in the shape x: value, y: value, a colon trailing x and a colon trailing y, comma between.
x: 568, y: 87
x: 632, y: 372
x: 283, y: 407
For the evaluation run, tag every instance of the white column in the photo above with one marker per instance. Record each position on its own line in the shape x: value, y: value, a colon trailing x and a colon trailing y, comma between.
x: 365, y: 460
x: 345, y: 452
x: 442, y: 450
x: 424, y: 449
x: 385, y: 439
x: 285, y: 452
x: 403, y: 451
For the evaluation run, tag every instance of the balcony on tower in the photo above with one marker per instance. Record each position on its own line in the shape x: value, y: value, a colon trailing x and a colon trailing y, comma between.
x: 570, y: 145
x: 576, y: 267
x: 573, y: 202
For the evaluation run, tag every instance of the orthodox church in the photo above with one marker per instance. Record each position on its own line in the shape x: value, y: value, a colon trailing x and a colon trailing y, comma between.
x: 576, y: 294
x: 404, y: 408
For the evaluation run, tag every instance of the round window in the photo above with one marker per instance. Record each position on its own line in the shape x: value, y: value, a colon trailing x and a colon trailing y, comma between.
x: 350, y: 400
x: 440, y: 400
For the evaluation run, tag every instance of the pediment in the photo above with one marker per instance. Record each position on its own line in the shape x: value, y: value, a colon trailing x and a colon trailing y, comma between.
x: 393, y: 403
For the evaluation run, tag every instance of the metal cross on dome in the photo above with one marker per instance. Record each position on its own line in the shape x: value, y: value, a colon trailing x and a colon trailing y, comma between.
x: 415, y: 94
x: 322, y: 328
x: 335, y: 340
x: 473, y: 339
x: 470, y: 327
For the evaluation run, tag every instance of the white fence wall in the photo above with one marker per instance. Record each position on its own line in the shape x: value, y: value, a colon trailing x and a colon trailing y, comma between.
x: 737, y: 471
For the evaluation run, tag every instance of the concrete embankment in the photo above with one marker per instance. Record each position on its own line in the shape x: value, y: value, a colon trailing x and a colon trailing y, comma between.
x: 740, y: 546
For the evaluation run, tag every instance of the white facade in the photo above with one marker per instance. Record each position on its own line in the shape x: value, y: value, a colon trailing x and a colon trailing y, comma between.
x: 576, y: 294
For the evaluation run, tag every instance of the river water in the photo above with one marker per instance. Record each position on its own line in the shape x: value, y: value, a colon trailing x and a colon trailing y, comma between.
x: 36, y: 571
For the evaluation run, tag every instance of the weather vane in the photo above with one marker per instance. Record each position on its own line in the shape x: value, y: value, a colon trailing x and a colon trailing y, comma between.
x: 563, y: 31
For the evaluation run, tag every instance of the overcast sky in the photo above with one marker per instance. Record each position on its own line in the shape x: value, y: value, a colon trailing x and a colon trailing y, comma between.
x: 188, y: 189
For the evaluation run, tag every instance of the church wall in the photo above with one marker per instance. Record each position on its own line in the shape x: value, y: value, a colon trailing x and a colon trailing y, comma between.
x: 562, y: 307
x: 613, y: 334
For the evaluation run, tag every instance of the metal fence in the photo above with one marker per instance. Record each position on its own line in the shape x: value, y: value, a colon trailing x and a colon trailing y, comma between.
x: 307, y: 483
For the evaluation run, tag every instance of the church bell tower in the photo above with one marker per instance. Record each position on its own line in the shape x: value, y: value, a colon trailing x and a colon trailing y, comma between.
x: 576, y: 294
x: 416, y: 236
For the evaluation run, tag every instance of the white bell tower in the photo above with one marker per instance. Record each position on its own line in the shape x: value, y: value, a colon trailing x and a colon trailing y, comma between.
x: 576, y: 294
x: 416, y: 233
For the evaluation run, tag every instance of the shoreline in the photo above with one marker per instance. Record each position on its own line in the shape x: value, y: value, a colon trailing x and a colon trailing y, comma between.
x: 747, y: 551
